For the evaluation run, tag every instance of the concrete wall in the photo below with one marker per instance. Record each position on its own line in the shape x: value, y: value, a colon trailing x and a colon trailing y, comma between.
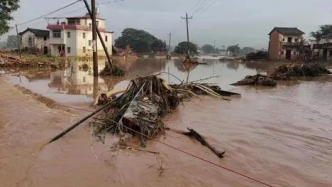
x: 88, y: 44
x: 274, y: 45
x: 36, y: 42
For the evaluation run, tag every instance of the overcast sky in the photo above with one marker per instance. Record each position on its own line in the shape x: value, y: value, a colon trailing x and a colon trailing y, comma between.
x: 228, y: 22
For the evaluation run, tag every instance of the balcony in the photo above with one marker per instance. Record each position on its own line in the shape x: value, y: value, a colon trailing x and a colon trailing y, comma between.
x: 57, y: 40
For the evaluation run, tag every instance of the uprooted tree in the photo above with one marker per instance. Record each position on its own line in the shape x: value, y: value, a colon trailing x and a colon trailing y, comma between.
x: 7, y: 7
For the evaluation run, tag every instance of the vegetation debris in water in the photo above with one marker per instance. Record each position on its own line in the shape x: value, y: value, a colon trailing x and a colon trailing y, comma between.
x: 138, y: 111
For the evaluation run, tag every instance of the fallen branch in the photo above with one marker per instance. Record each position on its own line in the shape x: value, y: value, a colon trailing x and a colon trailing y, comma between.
x: 198, y: 137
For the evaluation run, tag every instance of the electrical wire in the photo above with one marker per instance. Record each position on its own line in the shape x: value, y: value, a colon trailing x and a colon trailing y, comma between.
x: 196, y: 6
x: 205, y: 8
x: 71, y: 4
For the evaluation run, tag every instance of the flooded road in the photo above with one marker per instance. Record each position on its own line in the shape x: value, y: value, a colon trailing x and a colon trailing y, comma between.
x: 281, y: 136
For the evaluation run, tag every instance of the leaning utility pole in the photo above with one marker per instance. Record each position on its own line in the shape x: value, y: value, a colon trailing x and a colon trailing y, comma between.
x: 186, y: 18
x: 18, y: 42
x: 109, y: 60
x: 94, y: 39
x: 169, y: 42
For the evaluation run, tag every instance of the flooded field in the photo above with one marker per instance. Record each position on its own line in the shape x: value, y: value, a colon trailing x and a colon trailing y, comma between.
x: 281, y: 135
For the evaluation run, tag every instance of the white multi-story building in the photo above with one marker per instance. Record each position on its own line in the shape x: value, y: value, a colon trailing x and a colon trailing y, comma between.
x: 35, y: 39
x: 74, y: 36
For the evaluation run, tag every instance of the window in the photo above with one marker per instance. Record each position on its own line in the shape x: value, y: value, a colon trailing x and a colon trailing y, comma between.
x: 68, y: 49
x: 84, y: 50
x: 283, y: 39
x: 84, y: 35
x: 90, y: 26
x: 68, y: 34
x: 289, y: 39
x: 56, y: 33
x: 89, y: 42
x: 106, y: 38
x: 45, y: 38
x: 74, y: 22
x: 84, y: 79
x: 85, y: 22
x: 97, y: 23
x: 296, y: 40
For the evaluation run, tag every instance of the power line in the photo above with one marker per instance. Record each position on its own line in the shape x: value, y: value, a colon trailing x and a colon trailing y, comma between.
x: 201, y: 6
x: 196, y: 6
x: 50, y: 13
x: 205, y: 8
x: 108, y: 2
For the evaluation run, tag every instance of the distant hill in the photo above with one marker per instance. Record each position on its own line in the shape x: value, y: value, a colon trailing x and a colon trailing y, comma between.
x: 3, y: 45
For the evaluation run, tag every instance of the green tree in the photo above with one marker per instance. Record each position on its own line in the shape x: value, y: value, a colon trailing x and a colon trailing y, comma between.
x: 323, y: 30
x: 139, y: 40
x: 208, y: 49
x: 158, y: 46
x: 234, y: 49
x: 182, y: 48
x: 7, y: 7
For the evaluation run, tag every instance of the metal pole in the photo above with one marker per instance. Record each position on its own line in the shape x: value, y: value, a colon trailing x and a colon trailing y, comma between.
x: 18, y: 42
x: 99, y: 35
x: 94, y: 39
x: 169, y: 42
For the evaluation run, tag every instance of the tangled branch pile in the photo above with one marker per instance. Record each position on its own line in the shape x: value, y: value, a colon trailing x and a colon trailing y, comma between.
x: 142, y: 105
x: 284, y: 72
x: 112, y: 70
x: 258, y: 79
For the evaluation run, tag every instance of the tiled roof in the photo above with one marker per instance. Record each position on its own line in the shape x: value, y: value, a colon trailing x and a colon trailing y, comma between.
x: 37, y: 32
x: 287, y: 30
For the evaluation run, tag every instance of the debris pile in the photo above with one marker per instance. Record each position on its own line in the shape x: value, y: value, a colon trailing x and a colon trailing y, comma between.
x: 258, y: 79
x: 284, y: 72
x: 303, y: 70
x: 9, y: 61
x: 259, y: 55
x: 112, y: 70
x: 139, y: 109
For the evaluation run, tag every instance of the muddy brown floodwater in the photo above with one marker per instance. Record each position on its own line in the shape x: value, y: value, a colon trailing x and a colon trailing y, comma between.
x: 281, y: 136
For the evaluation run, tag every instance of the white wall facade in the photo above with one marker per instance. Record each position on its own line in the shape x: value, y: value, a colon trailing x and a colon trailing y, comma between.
x: 29, y: 40
x: 78, y: 44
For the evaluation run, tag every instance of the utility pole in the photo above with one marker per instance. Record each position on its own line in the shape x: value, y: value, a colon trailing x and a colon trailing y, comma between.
x: 186, y: 18
x: 18, y: 42
x: 94, y: 39
x: 169, y: 42
x: 214, y: 47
